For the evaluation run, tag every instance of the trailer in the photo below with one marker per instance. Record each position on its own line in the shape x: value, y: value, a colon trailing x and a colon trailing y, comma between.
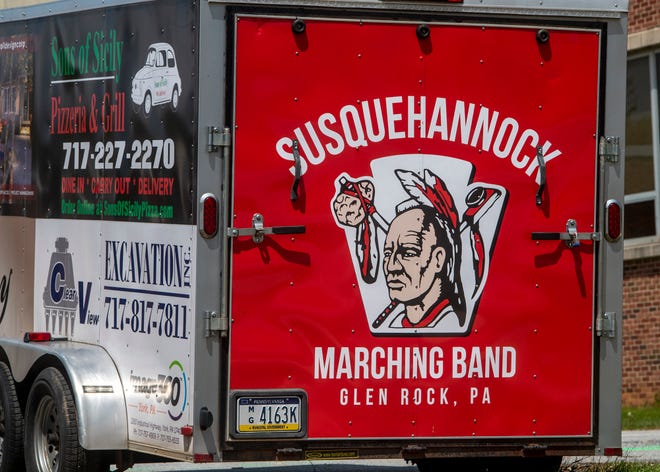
x: 311, y: 229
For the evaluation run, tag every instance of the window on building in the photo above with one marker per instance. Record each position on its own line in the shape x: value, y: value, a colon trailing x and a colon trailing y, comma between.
x: 642, y: 203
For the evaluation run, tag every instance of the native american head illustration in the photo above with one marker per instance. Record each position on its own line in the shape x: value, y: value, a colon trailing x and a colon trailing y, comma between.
x: 421, y: 235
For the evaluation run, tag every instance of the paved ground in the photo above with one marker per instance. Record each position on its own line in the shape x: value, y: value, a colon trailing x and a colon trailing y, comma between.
x: 643, y: 446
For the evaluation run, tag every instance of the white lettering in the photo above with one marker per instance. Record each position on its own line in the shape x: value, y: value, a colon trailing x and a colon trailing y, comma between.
x: 395, y: 118
x: 338, y: 146
x: 436, y: 364
x: 374, y: 137
x: 438, y: 122
x: 462, y: 120
x: 377, y: 369
x: 526, y: 135
x: 363, y: 397
x: 344, y: 364
x: 498, y: 150
x: 361, y: 363
x: 324, y: 366
x: 484, y: 362
x: 350, y: 122
x: 417, y: 362
x: 392, y: 118
x: 418, y: 118
x: 343, y: 397
x: 459, y: 368
x: 485, y: 395
x: 484, y: 128
x: 404, y: 396
x: 288, y: 155
x: 315, y: 159
x: 547, y: 157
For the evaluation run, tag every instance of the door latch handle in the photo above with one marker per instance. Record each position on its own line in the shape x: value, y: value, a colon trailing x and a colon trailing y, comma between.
x: 571, y: 236
x: 258, y: 230
x: 297, y: 171
x: 541, y: 160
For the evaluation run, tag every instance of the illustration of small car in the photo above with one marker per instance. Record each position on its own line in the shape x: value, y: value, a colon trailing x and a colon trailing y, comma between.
x: 158, y: 81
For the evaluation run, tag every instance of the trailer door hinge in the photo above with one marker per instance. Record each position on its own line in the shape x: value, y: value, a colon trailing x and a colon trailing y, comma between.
x: 608, y: 148
x: 606, y: 325
x: 214, y: 323
x: 217, y: 138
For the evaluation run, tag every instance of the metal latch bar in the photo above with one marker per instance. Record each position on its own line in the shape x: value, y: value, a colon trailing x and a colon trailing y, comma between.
x: 571, y: 236
x: 542, y: 236
x: 258, y: 230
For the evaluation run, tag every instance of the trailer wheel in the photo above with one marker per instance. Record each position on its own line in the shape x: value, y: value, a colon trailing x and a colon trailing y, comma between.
x: 51, y: 426
x: 11, y: 424
x: 491, y: 464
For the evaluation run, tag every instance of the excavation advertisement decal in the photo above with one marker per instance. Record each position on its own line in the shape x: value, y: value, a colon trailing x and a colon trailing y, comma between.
x: 116, y: 89
x: 396, y: 291
x: 131, y: 291
x: 60, y: 296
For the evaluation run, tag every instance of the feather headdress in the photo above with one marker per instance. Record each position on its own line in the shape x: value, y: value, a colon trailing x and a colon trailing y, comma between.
x: 432, y: 192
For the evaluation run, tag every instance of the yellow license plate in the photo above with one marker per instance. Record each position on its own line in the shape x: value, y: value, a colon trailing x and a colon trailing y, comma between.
x: 268, y: 414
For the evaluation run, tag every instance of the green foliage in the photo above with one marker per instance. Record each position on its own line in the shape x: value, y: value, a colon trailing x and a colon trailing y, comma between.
x: 641, y: 418
x: 614, y: 466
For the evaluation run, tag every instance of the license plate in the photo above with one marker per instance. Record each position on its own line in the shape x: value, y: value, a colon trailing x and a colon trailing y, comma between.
x: 268, y: 414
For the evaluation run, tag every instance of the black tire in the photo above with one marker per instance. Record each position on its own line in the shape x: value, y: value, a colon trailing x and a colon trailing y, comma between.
x: 51, y: 426
x: 11, y: 424
x: 98, y: 462
x: 491, y: 464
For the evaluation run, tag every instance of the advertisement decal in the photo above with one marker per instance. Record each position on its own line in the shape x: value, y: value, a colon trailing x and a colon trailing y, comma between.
x: 60, y: 298
x: 131, y: 291
x: 156, y: 404
x: 16, y: 275
x: 117, y: 91
x: 4, y: 294
x: 415, y: 303
x: 16, y: 108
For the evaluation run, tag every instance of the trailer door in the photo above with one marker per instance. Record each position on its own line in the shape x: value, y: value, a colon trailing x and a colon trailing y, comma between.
x: 414, y: 226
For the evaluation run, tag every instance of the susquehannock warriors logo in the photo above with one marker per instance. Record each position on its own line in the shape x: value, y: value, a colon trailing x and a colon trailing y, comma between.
x: 421, y: 235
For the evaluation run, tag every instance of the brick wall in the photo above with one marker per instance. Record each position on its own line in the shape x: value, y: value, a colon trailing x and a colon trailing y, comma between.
x: 641, y: 331
x: 643, y: 14
x: 641, y: 283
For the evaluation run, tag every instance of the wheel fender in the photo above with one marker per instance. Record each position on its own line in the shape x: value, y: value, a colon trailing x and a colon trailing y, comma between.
x: 95, y: 384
